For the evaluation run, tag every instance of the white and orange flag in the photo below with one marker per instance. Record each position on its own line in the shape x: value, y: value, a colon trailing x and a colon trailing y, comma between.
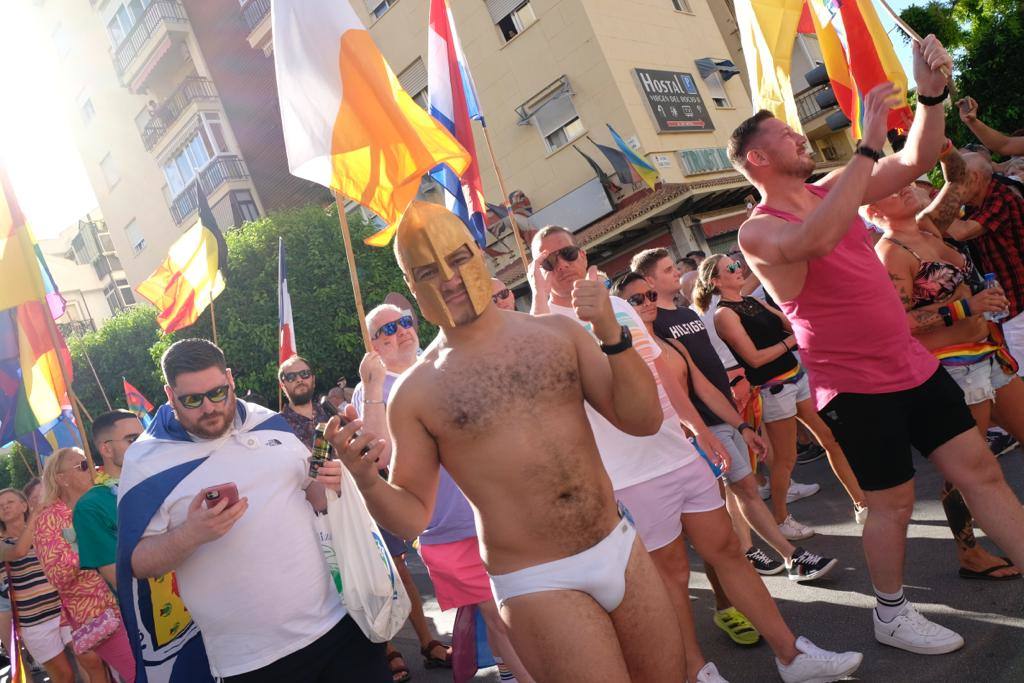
x: 348, y: 124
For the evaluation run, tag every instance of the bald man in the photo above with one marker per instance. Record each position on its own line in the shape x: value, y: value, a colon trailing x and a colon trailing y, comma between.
x: 502, y: 296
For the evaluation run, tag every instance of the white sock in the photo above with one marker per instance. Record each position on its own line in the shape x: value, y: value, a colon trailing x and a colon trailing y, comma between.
x: 890, y: 605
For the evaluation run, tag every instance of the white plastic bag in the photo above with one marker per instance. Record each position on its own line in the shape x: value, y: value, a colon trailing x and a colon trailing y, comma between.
x: 372, y: 591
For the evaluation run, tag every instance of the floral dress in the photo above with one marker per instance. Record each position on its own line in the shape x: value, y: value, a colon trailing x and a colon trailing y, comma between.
x: 84, y: 594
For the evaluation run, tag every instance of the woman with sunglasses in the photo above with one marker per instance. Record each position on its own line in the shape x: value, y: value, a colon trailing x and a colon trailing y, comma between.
x: 86, y: 600
x: 761, y: 339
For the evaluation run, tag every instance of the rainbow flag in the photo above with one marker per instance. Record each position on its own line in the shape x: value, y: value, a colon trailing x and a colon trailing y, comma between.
x: 858, y: 56
x: 642, y: 168
x: 32, y: 385
x: 137, y: 403
x: 347, y: 122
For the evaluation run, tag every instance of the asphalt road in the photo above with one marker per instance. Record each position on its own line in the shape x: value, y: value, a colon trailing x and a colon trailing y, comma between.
x: 836, y: 612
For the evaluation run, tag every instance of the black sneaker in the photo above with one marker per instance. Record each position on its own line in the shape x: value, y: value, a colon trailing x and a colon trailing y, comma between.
x: 806, y: 566
x: 809, y: 453
x: 764, y: 564
x: 999, y: 442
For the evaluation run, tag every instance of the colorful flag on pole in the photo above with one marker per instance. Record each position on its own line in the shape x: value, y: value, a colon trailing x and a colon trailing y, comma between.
x: 192, y: 275
x: 453, y: 102
x: 348, y: 124
x: 59, y: 433
x: 286, y: 325
x: 858, y: 56
x: 767, y: 30
x: 137, y: 403
x: 640, y: 166
x: 32, y: 385
x: 623, y: 169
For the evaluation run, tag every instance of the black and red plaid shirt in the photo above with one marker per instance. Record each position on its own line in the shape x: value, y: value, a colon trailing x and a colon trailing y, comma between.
x: 1001, y: 246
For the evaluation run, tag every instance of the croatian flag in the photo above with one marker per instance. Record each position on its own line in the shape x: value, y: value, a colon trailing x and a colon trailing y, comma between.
x: 284, y: 308
x: 453, y: 102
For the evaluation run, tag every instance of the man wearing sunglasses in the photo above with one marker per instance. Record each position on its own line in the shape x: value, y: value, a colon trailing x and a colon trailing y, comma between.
x: 249, y: 567
x: 497, y: 399
x: 298, y: 383
x: 502, y: 296
x: 95, y: 513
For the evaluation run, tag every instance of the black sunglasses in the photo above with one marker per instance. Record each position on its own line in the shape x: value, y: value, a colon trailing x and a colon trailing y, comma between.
x: 82, y: 466
x: 733, y: 267
x: 568, y: 254
x: 638, y: 299
x: 388, y: 329
x: 291, y: 376
x: 503, y: 294
x: 193, y: 401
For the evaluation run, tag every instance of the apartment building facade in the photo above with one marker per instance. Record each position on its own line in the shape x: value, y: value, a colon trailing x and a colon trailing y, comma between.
x: 166, y: 99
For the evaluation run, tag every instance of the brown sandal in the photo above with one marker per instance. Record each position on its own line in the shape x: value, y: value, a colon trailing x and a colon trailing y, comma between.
x: 432, y: 662
x: 402, y: 672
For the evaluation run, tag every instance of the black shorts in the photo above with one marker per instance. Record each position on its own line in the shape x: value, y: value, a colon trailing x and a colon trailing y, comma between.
x: 876, y: 431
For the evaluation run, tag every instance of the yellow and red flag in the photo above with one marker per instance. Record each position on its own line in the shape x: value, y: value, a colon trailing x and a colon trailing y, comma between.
x: 191, y: 276
x: 32, y: 385
x: 347, y: 122
x: 858, y: 56
x: 767, y: 31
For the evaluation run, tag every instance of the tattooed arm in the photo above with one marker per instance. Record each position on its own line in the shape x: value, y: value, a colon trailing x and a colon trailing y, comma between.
x: 902, y: 268
x: 945, y: 208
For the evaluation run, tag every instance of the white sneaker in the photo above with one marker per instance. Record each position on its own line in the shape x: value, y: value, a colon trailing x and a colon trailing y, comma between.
x: 814, y: 665
x: 709, y: 674
x: 797, y: 491
x: 860, y: 514
x: 765, y: 489
x: 793, y: 530
x: 910, y: 631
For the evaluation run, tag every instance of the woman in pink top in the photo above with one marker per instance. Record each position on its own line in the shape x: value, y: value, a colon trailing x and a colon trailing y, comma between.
x: 85, y: 598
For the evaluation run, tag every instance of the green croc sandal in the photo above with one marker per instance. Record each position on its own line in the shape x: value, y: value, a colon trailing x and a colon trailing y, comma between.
x: 737, y: 626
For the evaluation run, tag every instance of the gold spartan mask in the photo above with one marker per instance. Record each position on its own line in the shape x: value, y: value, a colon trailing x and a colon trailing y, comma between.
x: 430, y: 234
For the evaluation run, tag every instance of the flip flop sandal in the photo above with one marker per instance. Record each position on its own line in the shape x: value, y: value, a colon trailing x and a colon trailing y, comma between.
x: 402, y: 672
x: 432, y: 662
x: 986, y: 574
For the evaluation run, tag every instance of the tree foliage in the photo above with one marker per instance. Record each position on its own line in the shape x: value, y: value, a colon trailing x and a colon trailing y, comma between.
x: 985, y: 38
x: 323, y: 308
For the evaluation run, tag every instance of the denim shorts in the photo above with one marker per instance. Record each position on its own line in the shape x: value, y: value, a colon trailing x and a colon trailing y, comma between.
x: 738, y: 452
x: 781, y: 404
x: 979, y: 381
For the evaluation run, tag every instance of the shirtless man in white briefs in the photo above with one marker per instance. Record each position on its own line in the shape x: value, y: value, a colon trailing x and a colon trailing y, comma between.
x: 497, y: 398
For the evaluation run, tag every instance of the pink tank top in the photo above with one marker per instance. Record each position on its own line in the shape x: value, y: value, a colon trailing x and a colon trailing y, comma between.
x: 848, y: 320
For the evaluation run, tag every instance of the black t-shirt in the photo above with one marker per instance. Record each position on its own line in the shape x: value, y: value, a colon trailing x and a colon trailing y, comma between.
x: 687, y: 328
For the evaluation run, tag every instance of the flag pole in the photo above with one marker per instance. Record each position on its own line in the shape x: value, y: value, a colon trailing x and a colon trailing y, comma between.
x: 82, y: 407
x: 914, y: 35
x: 353, y: 275
x: 35, y: 449
x: 97, y: 378
x: 65, y: 372
x: 213, y: 319
x: 508, y: 207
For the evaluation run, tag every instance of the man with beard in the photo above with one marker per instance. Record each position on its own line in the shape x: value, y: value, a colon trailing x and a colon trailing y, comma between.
x: 250, y: 570
x: 497, y: 399
x: 298, y: 383
x: 875, y: 386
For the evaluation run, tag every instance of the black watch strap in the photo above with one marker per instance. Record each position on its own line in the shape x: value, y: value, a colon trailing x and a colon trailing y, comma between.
x: 872, y: 154
x: 744, y: 425
x: 932, y: 101
x: 625, y: 342
x: 947, y: 315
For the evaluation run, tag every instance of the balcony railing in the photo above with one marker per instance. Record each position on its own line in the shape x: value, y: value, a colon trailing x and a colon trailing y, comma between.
x: 193, y: 89
x: 76, y: 328
x: 254, y: 11
x: 158, y: 13
x: 216, y: 173
x: 806, y: 105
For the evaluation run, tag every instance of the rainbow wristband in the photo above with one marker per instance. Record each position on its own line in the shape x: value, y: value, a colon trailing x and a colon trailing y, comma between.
x: 960, y: 310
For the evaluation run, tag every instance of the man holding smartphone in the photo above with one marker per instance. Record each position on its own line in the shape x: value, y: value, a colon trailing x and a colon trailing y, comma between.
x: 260, y: 620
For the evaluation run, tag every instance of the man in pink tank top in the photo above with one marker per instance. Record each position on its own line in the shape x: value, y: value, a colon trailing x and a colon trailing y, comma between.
x: 875, y: 386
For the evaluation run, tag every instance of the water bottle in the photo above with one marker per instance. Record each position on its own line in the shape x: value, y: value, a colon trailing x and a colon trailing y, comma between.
x: 994, y: 316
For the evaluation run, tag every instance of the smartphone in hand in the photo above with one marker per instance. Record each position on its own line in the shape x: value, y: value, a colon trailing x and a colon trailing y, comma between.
x: 215, y: 494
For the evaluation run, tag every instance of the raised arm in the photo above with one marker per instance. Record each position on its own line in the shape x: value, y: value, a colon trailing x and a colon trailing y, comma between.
x: 999, y: 143
x: 372, y: 409
x: 404, y: 504
x: 767, y: 240
x: 730, y: 329
x: 945, y: 207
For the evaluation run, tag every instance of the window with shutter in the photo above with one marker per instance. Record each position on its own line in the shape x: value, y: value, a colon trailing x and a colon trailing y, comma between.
x: 414, y: 81
x: 511, y: 16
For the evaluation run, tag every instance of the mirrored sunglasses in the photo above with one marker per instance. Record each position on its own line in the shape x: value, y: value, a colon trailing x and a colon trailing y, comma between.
x: 567, y: 254
x: 638, y: 299
x: 389, y: 329
x: 193, y: 401
x: 291, y: 376
x: 733, y: 267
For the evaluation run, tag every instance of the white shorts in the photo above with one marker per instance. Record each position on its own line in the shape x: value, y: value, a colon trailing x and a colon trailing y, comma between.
x: 657, y: 505
x: 782, y: 404
x: 46, y: 640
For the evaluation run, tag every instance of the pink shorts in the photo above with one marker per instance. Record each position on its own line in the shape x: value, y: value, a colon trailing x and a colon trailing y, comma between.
x: 657, y: 505
x: 457, y: 572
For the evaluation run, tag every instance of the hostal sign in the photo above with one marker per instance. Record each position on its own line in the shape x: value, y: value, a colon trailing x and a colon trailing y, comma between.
x: 673, y: 101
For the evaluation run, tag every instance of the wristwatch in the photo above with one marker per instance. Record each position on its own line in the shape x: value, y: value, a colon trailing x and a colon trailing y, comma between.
x: 947, y: 315
x: 872, y: 154
x: 744, y: 425
x: 625, y: 342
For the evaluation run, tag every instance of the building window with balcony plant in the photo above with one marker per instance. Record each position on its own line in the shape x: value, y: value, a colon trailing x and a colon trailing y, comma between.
x: 125, y: 17
x: 512, y: 17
